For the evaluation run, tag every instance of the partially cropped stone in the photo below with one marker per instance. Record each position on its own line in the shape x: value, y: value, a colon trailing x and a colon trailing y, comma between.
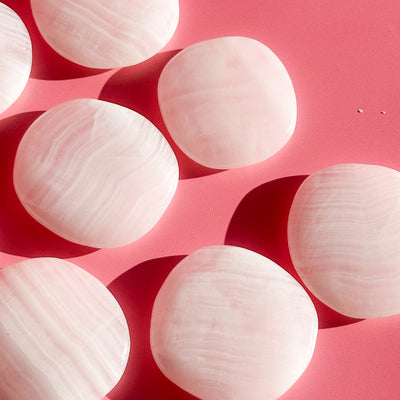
x: 344, y: 237
x: 15, y: 56
x: 106, y: 33
x: 63, y: 335
x: 230, y: 324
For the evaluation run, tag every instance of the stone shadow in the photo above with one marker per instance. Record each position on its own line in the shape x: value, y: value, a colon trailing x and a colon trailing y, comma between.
x: 135, y: 290
x: 135, y: 87
x: 47, y: 64
x: 259, y: 223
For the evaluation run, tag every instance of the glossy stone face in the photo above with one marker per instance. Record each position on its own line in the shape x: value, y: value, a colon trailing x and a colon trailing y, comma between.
x: 63, y: 335
x: 344, y: 237
x: 228, y: 102
x: 104, y: 33
x: 95, y: 173
x: 229, y: 323
x: 16, y: 56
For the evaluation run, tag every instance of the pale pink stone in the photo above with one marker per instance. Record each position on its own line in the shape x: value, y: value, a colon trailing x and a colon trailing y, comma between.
x: 15, y: 56
x: 106, y: 33
x: 95, y: 173
x: 63, y: 335
x: 230, y: 324
x: 344, y: 238
x: 228, y: 102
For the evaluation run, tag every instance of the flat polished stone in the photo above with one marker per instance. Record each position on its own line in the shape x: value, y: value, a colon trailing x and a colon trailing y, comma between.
x: 229, y: 323
x: 344, y: 236
x: 63, y: 335
x: 16, y: 56
x: 228, y: 102
x: 95, y: 173
x: 104, y: 33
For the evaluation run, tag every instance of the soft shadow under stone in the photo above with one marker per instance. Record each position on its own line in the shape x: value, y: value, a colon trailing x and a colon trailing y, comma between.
x: 259, y: 223
x: 135, y: 290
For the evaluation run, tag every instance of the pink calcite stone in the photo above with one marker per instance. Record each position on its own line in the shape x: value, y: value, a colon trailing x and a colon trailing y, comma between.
x: 63, y: 335
x: 228, y: 102
x: 344, y: 238
x: 106, y: 33
x: 95, y: 173
x: 230, y: 324
x: 15, y: 56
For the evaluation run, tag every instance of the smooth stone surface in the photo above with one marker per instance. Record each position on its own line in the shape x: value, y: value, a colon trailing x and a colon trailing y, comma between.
x: 16, y: 56
x: 63, y: 335
x: 106, y: 34
x: 228, y: 102
x: 230, y: 324
x: 344, y: 237
x: 95, y: 173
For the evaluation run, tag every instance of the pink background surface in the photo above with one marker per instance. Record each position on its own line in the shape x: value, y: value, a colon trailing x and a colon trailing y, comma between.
x: 342, y: 56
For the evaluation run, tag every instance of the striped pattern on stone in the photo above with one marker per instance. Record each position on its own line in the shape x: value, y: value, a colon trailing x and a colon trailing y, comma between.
x: 344, y: 237
x: 104, y: 33
x: 229, y: 323
x: 16, y: 56
x: 228, y: 102
x: 63, y: 335
x: 95, y: 173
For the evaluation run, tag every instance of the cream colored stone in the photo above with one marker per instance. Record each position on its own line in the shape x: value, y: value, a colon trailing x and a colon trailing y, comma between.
x: 344, y: 237
x: 106, y: 33
x: 95, y: 173
x: 230, y: 324
x: 16, y: 56
x: 63, y: 335
x: 228, y: 102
